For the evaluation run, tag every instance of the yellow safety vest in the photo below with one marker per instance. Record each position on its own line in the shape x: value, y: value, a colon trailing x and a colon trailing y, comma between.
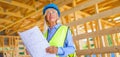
x: 58, y: 38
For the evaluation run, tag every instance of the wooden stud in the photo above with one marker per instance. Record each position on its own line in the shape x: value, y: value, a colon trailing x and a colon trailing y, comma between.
x: 94, y: 39
x: 100, y: 38
x: 88, y: 42
x: 96, y: 16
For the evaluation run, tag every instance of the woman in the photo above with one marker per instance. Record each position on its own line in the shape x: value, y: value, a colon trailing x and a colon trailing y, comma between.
x: 58, y: 36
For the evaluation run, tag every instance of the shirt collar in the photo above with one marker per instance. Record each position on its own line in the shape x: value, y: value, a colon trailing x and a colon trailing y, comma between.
x: 55, y: 27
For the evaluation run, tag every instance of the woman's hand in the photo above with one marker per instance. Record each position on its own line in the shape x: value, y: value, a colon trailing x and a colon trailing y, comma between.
x: 52, y: 49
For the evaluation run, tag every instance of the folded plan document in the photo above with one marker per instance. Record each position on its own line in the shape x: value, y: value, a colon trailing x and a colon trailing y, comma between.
x: 35, y: 42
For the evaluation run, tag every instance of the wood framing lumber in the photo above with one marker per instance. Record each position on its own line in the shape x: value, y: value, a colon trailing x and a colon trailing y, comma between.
x: 21, y: 19
x: 80, y: 7
x: 98, y: 33
x: 11, y: 14
x: 96, y: 16
x: 18, y: 4
x: 113, y: 49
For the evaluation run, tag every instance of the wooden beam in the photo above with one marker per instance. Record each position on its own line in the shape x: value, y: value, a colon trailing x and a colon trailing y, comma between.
x: 118, y: 24
x: 11, y: 14
x: 80, y: 7
x: 64, y: 2
x: 107, y: 22
x: 97, y: 33
x: 96, y: 16
x: 26, y: 27
x: 12, y: 29
x: 1, y: 9
x: 113, y: 49
x: 32, y: 14
x: 2, y: 26
x: 3, y: 36
x: 102, y: 5
x: 57, y: 1
x: 18, y: 4
x: 5, y: 20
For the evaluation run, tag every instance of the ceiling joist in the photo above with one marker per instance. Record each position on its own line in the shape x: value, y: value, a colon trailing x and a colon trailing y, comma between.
x: 102, y: 5
x: 32, y: 14
x: 38, y: 23
x: 19, y: 4
x: 11, y: 14
x: 80, y: 7
x: 107, y: 22
x: 21, y: 19
x: 5, y: 20
x: 2, y: 26
x: 62, y: 2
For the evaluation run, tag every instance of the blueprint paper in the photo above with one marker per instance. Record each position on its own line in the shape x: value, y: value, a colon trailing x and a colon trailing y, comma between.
x: 35, y: 42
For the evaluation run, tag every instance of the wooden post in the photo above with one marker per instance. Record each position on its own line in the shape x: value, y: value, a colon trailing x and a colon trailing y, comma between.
x: 105, y: 40
x: 94, y: 39
x: 114, y: 43
x: 76, y: 41
x: 100, y: 38
x: 88, y: 42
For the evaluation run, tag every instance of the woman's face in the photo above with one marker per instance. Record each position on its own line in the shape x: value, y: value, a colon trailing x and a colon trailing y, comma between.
x: 51, y: 15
